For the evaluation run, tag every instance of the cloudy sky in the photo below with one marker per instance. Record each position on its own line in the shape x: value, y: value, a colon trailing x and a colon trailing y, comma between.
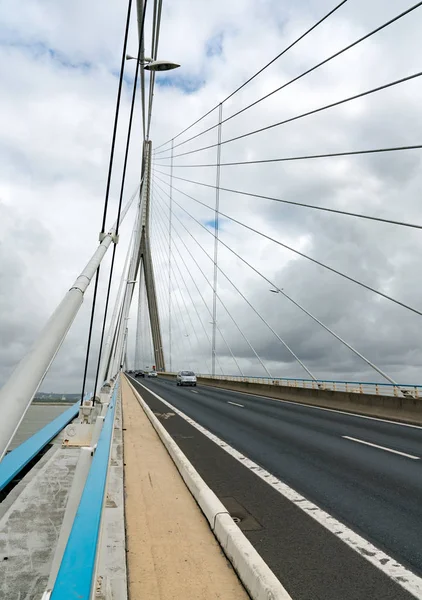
x: 59, y: 65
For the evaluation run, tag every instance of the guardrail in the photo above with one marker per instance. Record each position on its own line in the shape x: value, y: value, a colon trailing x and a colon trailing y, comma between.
x: 18, y: 458
x: 355, y: 387
x: 400, y: 402
x: 76, y: 573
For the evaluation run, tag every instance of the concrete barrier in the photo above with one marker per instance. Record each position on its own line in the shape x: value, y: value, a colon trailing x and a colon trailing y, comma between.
x: 405, y: 409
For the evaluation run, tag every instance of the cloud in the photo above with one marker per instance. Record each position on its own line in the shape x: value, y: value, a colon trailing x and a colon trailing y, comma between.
x: 59, y: 65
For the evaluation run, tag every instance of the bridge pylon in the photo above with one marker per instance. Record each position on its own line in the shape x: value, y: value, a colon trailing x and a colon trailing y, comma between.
x: 145, y: 264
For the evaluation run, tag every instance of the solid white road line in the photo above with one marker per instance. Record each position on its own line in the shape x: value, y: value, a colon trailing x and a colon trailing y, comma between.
x: 385, y: 563
x: 346, y: 437
x: 236, y: 404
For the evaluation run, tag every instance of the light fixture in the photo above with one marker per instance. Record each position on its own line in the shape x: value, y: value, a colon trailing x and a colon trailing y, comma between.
x: 154, y: 65
x: 161, y: 65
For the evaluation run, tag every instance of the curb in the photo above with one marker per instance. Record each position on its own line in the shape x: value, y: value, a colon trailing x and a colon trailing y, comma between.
x: 254, y: 573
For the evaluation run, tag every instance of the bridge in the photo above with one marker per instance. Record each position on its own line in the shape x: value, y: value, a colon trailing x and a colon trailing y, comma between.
x: 262, y: 255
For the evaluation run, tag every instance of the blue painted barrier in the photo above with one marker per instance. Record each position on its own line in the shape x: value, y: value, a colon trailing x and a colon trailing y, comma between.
x: 75, y: 577
x: 16, y: 460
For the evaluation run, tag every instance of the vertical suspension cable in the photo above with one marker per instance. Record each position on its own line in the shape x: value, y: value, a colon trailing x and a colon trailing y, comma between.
x: 216, y: 229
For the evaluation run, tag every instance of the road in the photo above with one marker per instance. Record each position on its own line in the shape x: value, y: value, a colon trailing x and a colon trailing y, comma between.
x: 364, y: 472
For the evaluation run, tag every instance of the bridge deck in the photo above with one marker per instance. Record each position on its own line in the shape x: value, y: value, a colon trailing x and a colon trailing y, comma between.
x: 172, y: 553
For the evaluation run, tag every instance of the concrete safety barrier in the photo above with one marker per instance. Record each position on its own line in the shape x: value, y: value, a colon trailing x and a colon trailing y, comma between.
x: 406, y: 409
x: 254, y: 573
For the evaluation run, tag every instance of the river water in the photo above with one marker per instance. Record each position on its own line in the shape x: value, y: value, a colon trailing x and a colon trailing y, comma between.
x: 36, y: 417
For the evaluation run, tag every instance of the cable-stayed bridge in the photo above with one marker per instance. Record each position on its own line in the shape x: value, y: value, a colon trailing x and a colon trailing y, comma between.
x: 306, y: 475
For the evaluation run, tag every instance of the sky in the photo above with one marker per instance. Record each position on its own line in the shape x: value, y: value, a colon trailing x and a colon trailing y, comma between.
x: 59, y: 67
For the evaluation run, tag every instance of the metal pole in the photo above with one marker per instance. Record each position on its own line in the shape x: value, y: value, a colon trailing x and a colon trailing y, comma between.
x: 216, y: 230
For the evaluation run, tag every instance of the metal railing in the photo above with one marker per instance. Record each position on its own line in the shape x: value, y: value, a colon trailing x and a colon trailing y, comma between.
x: 75, y: 576
x: 355, y: 387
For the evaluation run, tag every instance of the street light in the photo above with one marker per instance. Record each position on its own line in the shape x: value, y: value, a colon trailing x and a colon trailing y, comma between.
x: 154, y: 65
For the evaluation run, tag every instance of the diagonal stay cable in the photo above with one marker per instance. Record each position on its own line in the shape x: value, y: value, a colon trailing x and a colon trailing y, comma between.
x: 246, y: 300
x: 164, y: 301
x: 314, y: 260
x: 231, y: 317
x: 175, y: 302
x: 206, y: 306
x: 314, y: 68
x: 245, y: 83
x: 302, y: 308
x: 294, y: 158
x: 293, y: 203
x: 308, y: 113
x: 178, y: 314
x: 161, y: 236
x: 158, y: 226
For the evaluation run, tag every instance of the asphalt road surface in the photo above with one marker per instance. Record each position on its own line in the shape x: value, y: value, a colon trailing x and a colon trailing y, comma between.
x: 367, y: 473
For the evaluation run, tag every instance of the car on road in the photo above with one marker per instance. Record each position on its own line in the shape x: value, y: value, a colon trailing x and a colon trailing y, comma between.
x: 186, y: 378
x: 139, y: 374
x: 152, y: 374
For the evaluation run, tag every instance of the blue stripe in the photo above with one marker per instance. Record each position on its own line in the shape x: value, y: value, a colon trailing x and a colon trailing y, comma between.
x: 16, y: 460
x: 75, y: 576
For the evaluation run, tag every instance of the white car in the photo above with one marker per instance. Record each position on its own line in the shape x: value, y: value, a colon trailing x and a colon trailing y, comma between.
x: 152, y: 374
x: 186, y: 378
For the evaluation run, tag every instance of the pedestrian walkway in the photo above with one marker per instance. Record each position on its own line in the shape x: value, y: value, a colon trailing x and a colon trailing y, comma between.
x: 172, y: 553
